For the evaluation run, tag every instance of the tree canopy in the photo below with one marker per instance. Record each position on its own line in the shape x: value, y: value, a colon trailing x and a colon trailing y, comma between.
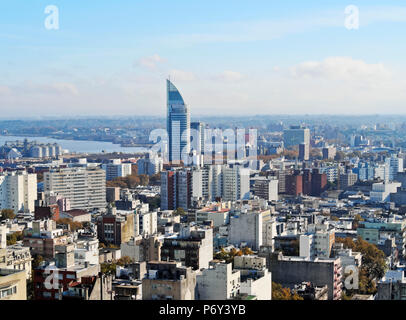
x: 130, y: 181
x: 228, y: 256
x: 373, y: 263
x: 14, y: 237
x: 110, y: 267
x: 281, y: 293
x: 74, y: 225
x: 7, y: 214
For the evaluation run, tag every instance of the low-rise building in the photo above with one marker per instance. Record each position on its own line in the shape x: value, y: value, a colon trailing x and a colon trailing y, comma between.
x: 255, y: 279
x: 218, y: 282
x: 142, y: 248
x: 168, y: 281
x: 290, y: 271
x: 13, y: 284
x: 115, y: 227
x: 392, y: 286
x: 193, y: 247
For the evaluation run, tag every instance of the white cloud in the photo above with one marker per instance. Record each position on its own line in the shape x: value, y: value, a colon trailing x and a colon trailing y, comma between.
x: 342, y: 68
x: 229, y: 76
x: 150, y: 62
x: 4, y: 90
x: 180, y: 75
x: 267, y: 29
x: 64, y: 88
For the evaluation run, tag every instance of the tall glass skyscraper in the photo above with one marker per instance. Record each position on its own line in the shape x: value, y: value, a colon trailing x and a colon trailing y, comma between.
x: 177, y: 125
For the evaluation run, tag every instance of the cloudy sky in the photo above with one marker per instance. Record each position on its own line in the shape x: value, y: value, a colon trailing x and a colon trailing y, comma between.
x: 226, y: 57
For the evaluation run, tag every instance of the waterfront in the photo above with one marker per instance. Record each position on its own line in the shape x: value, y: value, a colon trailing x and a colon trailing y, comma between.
x: 78, y: 146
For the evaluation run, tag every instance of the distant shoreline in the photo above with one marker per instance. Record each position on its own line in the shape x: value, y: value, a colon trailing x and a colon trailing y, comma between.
x: 103, y: 147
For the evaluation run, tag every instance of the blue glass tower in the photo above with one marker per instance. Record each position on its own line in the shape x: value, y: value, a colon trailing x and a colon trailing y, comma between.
x: 177, y: 125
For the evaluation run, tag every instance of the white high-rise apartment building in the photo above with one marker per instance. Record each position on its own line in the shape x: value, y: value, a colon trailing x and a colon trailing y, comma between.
x: 18, y: 191
x: 150, y: 165
x: 394, y: 164
x: 116, y: 169
x: 317, y: 242
x: 146, y: 223
x: 236, y: 183
x: 84, y: 188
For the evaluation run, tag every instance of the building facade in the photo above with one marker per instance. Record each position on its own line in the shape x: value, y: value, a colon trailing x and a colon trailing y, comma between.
x: 84, y: 188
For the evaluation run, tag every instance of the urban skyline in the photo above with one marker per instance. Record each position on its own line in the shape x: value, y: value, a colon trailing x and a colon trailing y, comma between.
x: 202, y: 159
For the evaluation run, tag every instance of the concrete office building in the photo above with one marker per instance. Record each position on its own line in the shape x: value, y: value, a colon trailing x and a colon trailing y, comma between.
x: 235, y: 182
x: 84, y: 188
x: 296, y: 135
x: 116, y: 169
x: 266, y: 189
x: 181, y: 186
x: 304, y: 152
x: 348, y: 179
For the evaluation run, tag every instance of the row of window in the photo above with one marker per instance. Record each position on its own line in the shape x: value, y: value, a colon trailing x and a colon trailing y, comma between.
x: 8, y: 292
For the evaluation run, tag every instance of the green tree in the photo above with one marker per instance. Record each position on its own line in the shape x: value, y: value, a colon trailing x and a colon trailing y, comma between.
x: 36, y: 262
x: 7, y: 214
x: 14, y: 237
x: 124, y: 261
x: 356, y: 221
x: 228, y: 256
x: 281, y: 293
x: 373, y: 264
x: 179, y: 212
x: 74, y: 225
x: 108, y: 268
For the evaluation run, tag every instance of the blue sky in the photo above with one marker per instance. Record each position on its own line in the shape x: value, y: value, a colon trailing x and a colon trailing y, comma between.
x: 228, y: 57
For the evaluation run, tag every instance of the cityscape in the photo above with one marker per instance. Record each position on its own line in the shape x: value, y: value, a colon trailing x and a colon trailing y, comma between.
x: 176, y: 185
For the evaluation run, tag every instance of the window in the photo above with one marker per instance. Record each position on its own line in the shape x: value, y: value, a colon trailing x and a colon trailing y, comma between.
x: 8, y: 292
